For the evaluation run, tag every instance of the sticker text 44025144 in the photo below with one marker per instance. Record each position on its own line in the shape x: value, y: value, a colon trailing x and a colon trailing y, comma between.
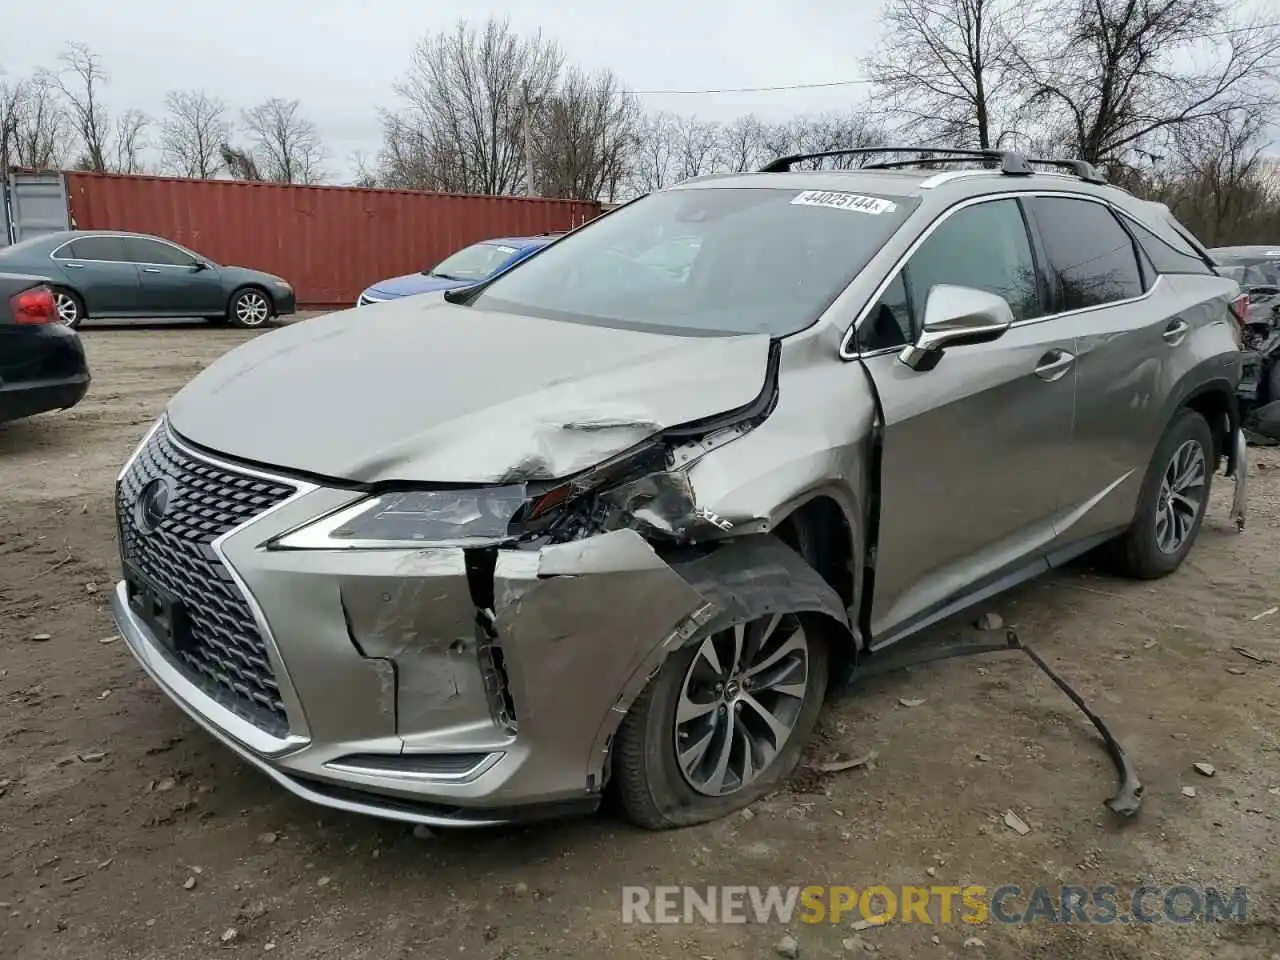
x: 840, y: 200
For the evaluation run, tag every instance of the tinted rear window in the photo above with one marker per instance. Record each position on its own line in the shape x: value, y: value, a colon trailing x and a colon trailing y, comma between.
x: 705, y: 261
x: 1166, y: 257
x: 1091, y: 257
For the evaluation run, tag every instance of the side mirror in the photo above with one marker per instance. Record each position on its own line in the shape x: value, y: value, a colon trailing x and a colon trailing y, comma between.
x: 955, y: 317
x: 198, y: 266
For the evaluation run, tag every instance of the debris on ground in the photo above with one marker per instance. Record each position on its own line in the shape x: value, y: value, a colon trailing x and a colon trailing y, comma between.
x: 90, y: 587
x: 1188, y: 791
x: 747, y: 815
x: 1237, y: 671
x: 423, y: 832
x: 838, y: 763
x: 1250, y: 655
x: 787, y: 947
x: 974, y: 942
x: 189, y: 883
x: 269, y: 837
x: 41, y: 637
x: 989, y: 621
x: 91, y: 756
x: 859, y: 925
x: 1016, y: 823
x: 912, y: 701
x: 111, y: 639
x: 856, y: 944
x: 1206, y: 769
x: 1265, y: 613
x: 229, y: 935
x: 981, y: 757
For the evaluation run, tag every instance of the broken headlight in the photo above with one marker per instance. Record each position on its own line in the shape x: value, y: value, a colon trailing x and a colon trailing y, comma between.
x: 415, y: 518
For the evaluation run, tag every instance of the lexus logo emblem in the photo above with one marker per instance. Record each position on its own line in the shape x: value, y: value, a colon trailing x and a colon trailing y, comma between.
x: 153, y: 504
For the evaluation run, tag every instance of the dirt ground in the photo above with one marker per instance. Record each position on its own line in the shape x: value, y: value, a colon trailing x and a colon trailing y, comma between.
x: 126, y: 832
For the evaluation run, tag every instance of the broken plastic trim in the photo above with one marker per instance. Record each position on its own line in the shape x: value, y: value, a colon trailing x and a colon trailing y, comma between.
x: 1128, y: 798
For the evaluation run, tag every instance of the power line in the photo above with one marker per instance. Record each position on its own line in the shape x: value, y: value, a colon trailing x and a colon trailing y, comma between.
x: 854, y: 81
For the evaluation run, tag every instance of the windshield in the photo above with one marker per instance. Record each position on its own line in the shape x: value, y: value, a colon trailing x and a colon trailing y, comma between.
x: 705, y: 261
x: 1251, y: 271
x: 473, y: 263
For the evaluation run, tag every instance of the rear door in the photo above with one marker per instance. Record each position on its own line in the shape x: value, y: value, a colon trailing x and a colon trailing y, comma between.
x: 1133, y: 329
x: 99, y: 270
x: 973, y: 449
x: 171, y: 282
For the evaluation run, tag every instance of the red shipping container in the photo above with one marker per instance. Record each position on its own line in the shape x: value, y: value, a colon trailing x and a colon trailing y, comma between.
x: 329, y: 242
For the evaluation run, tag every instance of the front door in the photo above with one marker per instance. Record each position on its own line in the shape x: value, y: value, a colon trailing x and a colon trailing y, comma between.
x: 974, y: 448
x: 172, y: 283
x: 98, y: 269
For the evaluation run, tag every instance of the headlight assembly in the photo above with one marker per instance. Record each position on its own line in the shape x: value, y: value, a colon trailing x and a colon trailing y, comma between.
x: 415, y: 518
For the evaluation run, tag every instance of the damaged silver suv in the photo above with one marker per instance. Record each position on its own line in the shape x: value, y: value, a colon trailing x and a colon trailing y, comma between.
x: 620, y: 518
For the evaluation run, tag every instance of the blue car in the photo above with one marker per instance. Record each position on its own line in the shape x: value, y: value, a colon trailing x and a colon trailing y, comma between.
x: 470, y: 265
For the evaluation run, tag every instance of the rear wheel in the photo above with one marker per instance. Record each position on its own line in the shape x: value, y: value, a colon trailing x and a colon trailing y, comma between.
x: 250, y: 308
x: 1172, y: 504
x: 69, y: 306
x: 723, y: 722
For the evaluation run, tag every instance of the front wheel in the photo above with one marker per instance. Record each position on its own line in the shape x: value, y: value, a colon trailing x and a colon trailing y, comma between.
x: 250, y: 309
x: 723, y: 722
x: 1172, y: 504
x: 69, y: 306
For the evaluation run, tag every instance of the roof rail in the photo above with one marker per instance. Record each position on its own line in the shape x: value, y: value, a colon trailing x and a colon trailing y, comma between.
x: 1013, y: 164
x: 1081, y: 168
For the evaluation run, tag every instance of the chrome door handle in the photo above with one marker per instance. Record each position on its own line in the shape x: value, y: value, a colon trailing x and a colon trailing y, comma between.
x: 74, y: 266
x: 1054, y: 364
x: 150, y: 269
x: 1176, y: 332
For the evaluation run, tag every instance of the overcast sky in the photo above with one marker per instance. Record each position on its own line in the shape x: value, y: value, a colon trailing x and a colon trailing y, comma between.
x: 341, y: 57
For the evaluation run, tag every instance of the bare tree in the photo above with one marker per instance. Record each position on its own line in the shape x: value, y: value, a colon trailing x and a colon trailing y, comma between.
x: 192, y: 132
x: 239, y: 163
x: 1124, y: 76
x: 12, y: 101
x: 827, y: 131
x: 130, y: 141
x: 697, y: 148
x: 286, y: 145
x: 364, y: 174
x: 653, y: 157
x: 948, y: 68
x: 742, y: 144
x: 80, y: 80
x: 584, y: 135
x: 467, y: 98
x: 43, y: 132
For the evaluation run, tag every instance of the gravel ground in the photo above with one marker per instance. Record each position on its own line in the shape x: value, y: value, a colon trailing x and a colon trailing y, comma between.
x: 126, y: 832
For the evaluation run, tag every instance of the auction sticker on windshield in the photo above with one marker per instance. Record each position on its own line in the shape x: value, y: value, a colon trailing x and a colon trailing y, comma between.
x: 844, y: 201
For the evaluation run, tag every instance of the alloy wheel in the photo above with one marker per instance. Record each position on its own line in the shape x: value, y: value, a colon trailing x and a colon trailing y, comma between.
x: 739, y: 703
x: 252, y: 309
x: 68, y: 309
x: 1181, y: 496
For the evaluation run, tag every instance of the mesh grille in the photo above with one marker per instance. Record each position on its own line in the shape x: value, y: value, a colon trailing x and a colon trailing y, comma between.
x: 219, y: 648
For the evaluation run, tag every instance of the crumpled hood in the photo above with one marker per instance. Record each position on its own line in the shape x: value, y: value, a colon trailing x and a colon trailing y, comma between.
x: 426, y: 390
x: 412, y: 284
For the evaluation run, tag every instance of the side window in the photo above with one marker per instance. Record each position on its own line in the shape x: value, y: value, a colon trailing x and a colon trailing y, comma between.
x: 984, y: 246
x: 1163, y: 255
x: 889, y: 322
x: 109, y: 249
x: 1091, y: 257
x: 139, y: 250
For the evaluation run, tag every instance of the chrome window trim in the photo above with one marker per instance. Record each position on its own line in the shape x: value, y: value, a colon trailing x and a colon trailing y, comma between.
x: 846, y: 342
x: 53, y: 254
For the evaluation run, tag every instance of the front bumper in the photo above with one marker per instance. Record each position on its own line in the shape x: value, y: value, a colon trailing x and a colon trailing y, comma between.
x: 405, y: 701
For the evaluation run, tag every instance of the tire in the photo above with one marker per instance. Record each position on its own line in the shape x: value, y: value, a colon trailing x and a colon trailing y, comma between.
x: 1140, y: 552
x: 70, y: 307
x: 250, y: 309
x: 650, y: 784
